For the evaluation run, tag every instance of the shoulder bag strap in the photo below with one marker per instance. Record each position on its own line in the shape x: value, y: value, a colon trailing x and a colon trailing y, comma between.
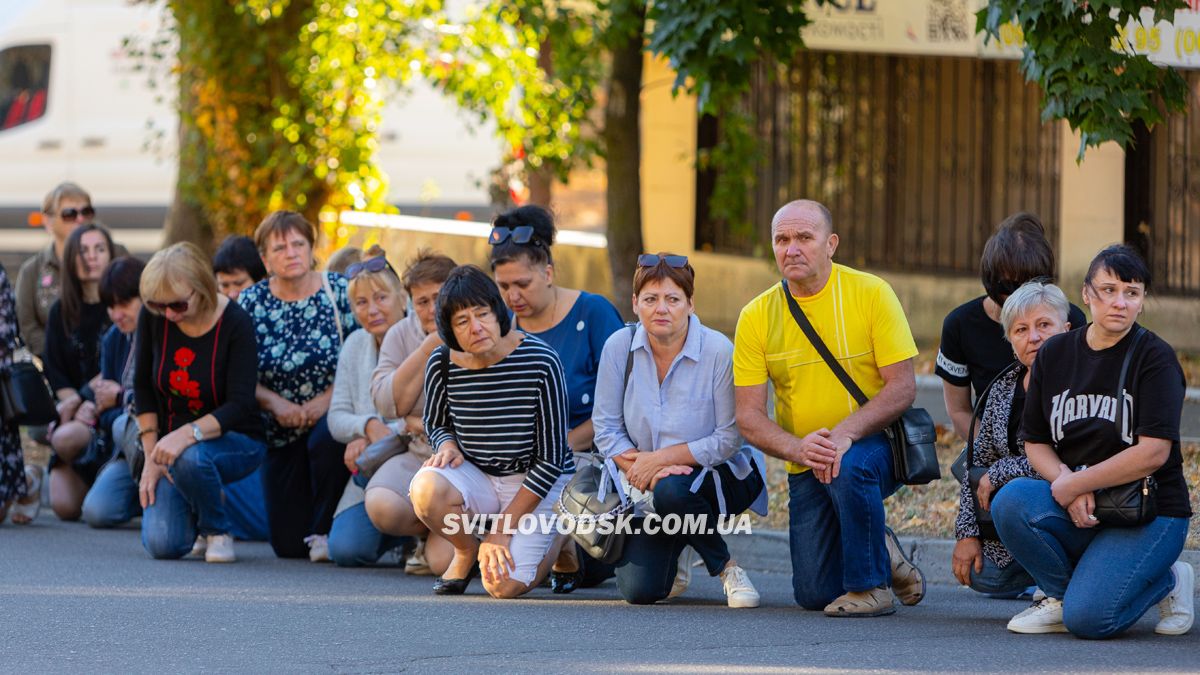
x: 811, y: 334
x: 1137, y: 340
x: 629, y: 358
x: 337, y: 313
x: 979, y: 404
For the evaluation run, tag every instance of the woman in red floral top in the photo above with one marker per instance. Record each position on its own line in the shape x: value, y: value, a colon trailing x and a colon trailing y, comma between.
x: 198, y: 421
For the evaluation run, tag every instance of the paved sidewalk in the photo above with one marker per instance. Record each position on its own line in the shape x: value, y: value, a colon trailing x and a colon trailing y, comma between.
x: 80, y: 600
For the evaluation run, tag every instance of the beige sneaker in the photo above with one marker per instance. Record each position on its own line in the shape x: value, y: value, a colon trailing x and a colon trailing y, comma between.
x: 739, y: 592
x: 318, y: 547
x: 908, y: 583
x: 199, y: 547
x: 683, y: 574
x: 219, y: 549
x: 875, y: 602
x: 1043, y: 616
x: 416, y: 564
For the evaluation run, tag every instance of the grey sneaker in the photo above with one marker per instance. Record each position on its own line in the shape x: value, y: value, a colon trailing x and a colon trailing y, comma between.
x: 219, y: 549
x: 416, y: 564
x: 683, y: 574
x: 1043, y: 616
x: 318, y: 547
x: 739, y: 592
x: 199, y: 547
x: 1177, y: 611
x: 908, y: 582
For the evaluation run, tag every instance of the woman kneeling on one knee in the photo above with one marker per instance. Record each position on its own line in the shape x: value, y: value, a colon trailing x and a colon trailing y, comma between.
x: 496, y: 415
x: 664, y: 419
x: 1083, y: 436
x: 198, y: 422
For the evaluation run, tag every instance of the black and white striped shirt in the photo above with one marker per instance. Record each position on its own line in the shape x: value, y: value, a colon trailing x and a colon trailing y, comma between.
x: 509, y: 418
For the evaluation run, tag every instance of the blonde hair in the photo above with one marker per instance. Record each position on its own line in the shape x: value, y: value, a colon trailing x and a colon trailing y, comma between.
x: 385, y: 278
x: 55, y: 197
x: 180, y: 266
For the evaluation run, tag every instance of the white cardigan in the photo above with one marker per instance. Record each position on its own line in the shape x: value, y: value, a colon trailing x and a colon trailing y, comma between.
x: 351, y: 407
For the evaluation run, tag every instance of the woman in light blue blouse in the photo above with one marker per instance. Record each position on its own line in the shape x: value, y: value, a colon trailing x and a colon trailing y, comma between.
x: 301, y: 317
x: 667, y: 430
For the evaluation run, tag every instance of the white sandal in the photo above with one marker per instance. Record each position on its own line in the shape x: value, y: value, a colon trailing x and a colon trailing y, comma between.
x: 28, y: 510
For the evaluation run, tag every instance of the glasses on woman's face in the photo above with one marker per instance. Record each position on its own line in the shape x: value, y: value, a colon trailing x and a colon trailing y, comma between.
x: 177, y: 306
x: 370, y: 265
x: 652, y: 260
x: 70, y: 215
x: 522, y: 234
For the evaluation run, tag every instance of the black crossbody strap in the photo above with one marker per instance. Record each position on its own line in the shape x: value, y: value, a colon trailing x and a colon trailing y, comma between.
x: 1137, y: 340
x: 979, y: 410
x: 629, y: 358
x: 811, y: 334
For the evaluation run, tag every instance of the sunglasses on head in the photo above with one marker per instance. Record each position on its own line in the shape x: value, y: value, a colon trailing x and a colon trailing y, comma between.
x: 69, y: 215
x: 652, y: 260
x: 178, y: 306
x: 521, y: 234
x: 369, y: 265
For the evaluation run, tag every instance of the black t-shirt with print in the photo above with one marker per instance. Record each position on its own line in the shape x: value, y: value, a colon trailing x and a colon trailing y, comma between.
x: 1072, y: 403
x: 973, y: 350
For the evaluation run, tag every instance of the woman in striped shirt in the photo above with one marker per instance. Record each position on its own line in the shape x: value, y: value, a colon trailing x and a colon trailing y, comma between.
x: 496, y: 415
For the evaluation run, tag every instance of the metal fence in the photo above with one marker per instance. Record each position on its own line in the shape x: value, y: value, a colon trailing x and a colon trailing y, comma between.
x: 918, y: 158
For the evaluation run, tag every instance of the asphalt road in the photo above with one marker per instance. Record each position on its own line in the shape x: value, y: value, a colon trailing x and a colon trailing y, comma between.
x: 79, y: 600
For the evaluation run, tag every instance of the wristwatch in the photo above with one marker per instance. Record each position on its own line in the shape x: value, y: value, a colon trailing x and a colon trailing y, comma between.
x: 196, y: 433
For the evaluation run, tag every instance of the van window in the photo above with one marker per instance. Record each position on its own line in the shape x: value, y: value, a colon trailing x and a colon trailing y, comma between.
x: 24, y: 84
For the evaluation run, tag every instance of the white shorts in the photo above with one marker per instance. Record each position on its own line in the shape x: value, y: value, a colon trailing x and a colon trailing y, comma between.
x: 484, y: 494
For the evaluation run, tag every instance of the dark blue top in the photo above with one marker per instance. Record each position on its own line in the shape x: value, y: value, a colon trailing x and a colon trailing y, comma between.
x: 114, y: 354
x: 579, y: 340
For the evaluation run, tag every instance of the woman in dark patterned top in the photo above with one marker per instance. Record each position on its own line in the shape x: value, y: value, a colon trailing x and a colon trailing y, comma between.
x: 301, y: 317
x: 1032, y: 314
x: 496, y: 415
x: 193, y: 387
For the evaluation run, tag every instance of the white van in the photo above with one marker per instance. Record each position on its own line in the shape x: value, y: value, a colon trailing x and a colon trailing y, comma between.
x: 73, y: 107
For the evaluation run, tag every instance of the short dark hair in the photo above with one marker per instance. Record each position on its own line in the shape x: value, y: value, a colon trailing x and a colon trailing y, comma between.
x: 120, y: 281
x: 239, y: 253
x: 1016, y: 253
x: 538, y: 249
x: 1123, y: 262
x: 684, y: 277
x: 427, y: 268
x: 468, y: 286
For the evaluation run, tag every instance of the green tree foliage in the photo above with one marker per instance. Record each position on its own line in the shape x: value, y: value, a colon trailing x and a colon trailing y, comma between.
x: 1091, y: 76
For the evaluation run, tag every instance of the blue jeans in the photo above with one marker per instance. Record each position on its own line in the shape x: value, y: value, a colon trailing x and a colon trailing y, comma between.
x: 1106, y: 577
x: 247, y: 506
x: 836, y: 531
x: 113, y: 498
x: 194, y: 503
x: 1007, y: 582
x: 354, y: 541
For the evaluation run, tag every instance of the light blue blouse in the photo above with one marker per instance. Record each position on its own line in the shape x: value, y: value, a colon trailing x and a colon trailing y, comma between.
x: 693, y: 405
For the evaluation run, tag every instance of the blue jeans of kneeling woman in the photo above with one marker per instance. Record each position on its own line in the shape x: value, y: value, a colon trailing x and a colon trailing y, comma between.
x: 193, y: 504
x: 1107, y: 578
x: 648, y: 564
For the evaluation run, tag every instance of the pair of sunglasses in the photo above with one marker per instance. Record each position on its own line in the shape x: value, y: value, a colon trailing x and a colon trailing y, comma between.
x: 178, y: 306
x: 369, y: 265
x: 521, y: 234
x: 653, y: 260
x: 69, y: 215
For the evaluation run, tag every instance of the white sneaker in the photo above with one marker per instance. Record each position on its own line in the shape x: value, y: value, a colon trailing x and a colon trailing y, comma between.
x: 199, y: 547
x: 738, y: 590
x: 417, y: 565
x: 1177, y: 611
x: 318, y: 547
x: 683, y: 574
x: 1038, y: 595
x: 1043, y: 616
x: 219, y: 549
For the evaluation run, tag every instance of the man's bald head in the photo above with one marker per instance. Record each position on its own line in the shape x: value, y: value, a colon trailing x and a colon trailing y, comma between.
x: 805, y: 209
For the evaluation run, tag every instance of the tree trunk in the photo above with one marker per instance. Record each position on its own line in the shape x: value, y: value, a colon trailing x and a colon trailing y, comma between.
x: 541, y: 179
x: 185, y: 219
x: 622, y: 140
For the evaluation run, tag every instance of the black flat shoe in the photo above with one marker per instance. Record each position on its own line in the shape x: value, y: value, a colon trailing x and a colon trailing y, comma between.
x: 444, y: 586
x: 564, y: 582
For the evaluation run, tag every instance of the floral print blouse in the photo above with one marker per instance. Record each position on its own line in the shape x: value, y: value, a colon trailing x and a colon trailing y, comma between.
x: 298, y: 343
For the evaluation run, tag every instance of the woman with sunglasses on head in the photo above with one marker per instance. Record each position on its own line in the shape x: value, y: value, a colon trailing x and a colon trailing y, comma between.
x: 575, y: 323
x: 665, y: 423
x: 301, y: 318
x: 194, y: 398
x: 496, y: 417
x: 76, y: 327
x: 1102, y: 415
x: 379, y: 302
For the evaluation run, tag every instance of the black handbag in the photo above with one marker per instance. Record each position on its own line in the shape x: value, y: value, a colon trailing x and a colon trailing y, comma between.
x: 913, y: 436
x: 983, y: 517
x: 25, y: 397
x: 1134, y: 503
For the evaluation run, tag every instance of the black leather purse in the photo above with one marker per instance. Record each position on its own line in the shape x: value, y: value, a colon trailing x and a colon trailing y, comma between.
x: 25, y: 397
x: 913, y: 436
x: 1135, y: 503
x: 983, y: 517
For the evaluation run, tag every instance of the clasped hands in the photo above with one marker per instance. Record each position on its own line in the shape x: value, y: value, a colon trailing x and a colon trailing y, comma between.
x: 1079, y: 504
x: 643, y: 470
x: 822, y: 451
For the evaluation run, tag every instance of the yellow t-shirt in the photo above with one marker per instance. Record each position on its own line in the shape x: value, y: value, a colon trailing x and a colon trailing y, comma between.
x: 859, y: 318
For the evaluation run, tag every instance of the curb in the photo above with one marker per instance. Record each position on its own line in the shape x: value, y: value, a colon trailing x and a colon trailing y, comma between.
x: 767, y: 551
